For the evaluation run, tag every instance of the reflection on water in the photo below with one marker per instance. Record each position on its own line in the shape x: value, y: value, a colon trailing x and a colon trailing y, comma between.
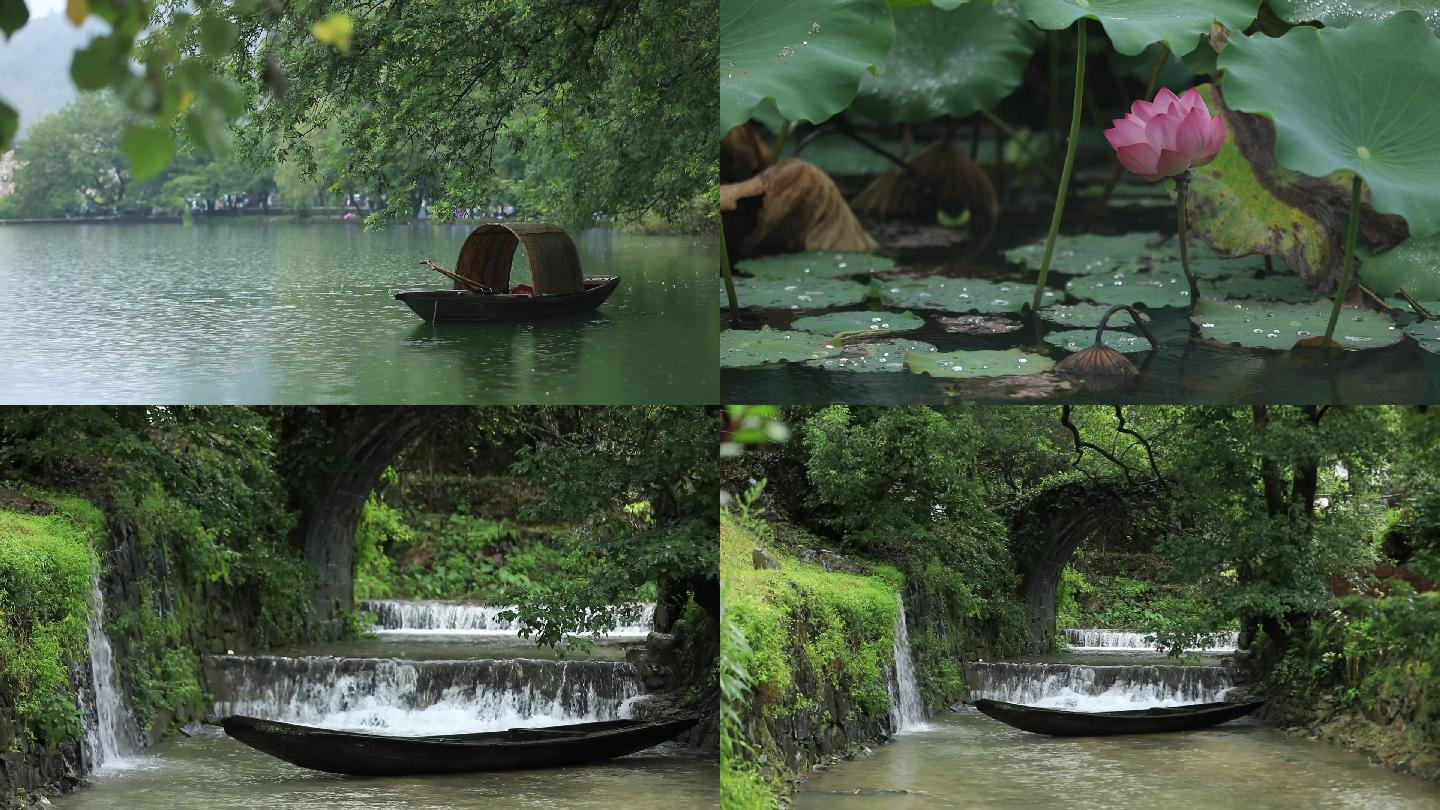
x: 213, y: 771
x: 971, y: 761
x: 250, y: 312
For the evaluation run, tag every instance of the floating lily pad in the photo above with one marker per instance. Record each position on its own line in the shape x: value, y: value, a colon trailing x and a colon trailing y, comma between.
x: 1340, y: 13
x: 1359, y: 98
x: 952, y: 294
x: 1088, y: 253
x: 1213, y: 267
x: 864, y: 321
x: 953, y: 63
x: 1427, y: 334
x: 815, y: 264
x: 1268, y: 325
x: 1085, y: 315
x: 880, y: 355
x: 1134, y: 25
x: 985, y: 363
x: 1277, y: 287
x: 740, y: 348
x: 980, y: 324
x: 1413, y: 265
x: 811, y: 293
x: 1073, y: 340
x: 1161, y: 286
x: 806, y: 56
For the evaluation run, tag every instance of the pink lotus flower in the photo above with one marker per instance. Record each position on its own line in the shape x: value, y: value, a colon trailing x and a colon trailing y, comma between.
x: 1167, y: 137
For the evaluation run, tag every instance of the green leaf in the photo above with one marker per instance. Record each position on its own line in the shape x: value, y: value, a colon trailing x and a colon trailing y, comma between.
x: 147, y: 148
x: 807, y: 293
x: 806, y: 55
x: 879, y: 355
x: 1340, y: 13
x: 985, y: 363
x: 953, y: 63
x: 1233, y: 208
x: 1276, y: 287
x: 864, y: 321
x: 99, y: 64
x: 952, y: 294
x: 1427, y: 334
x: 1085, y: 315
x: 1084, y: 254
x: 1267, y: 325
x: 815, y: 264
x: 1134, y: 25
x: 1160, y: 286
x: 13, y: 15
x: 208, y: 129
x: 739, y: 348
x: 1074, y: 340
x: 218, y: 36
x: 9, y: 125
x: 1357, y: 99
x: 1413, y: 265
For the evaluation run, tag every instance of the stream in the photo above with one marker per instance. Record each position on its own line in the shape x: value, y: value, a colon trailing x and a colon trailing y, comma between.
x: 963, y: 759
x: 442, y: 677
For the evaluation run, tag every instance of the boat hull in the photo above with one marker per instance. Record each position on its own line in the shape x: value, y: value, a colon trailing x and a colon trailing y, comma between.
x: 463, y: 305
x: 1063, y: 723
x: 358, y: 754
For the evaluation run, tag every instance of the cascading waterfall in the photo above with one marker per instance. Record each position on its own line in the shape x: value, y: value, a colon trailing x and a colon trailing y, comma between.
x: 451, y: 618
x: 907, y: 709
x: 110, y: 734
x: 1125, y: 641
x: 423, y: 697
x: 1096, y: 688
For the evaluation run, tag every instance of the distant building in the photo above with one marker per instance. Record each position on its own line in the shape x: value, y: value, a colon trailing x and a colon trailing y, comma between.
x: 7, y: 173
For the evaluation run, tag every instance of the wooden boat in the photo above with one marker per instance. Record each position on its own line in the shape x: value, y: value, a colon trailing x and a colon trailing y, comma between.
x: 1066, y: 723
x: 360, y: 754
x: 482, y: 291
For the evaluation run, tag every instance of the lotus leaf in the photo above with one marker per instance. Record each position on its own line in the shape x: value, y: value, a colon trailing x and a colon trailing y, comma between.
x: 814, y: 264
x: 1413, y: 265
x: 1089, y: 253
x: 864, y: 321
x: 1161, y: 286
x: 951, y: 294
x: 1085, y: 315
x: 1269, y: 325
x: 804, y: 293
x: 881, y: 355
x: 1340, y: 13
x: 1427, y: 334
x: 985, y: 363
x: 1275, y: 287
x: 739, y: 348
x: 1134, y: 25
x: 1073, y: 340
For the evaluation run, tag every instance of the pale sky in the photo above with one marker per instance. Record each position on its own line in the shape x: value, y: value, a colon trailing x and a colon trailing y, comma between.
x: 39, y: 8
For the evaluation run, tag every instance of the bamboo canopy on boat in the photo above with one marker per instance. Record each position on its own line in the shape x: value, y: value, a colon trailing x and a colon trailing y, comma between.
x: 489, y: 251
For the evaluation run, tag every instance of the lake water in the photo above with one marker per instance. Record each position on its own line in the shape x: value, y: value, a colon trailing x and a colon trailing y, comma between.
x: 302, y: 313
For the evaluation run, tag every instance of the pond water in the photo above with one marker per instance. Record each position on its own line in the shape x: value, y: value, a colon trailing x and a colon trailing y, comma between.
x: 969, y: 760
x: 284, y: 313
x: 1185, y: 369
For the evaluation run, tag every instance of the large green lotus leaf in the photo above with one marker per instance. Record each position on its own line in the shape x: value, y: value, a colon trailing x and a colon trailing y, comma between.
x: 842, y: 156
x: 1359, y: 98
x: 1073, y: 340
x: 865, y: 321
x: 984, y: 363
x: 1427, y: 334
x: 805, y: 55
x: 1134, y: 25
x: 953, y: 63
x: 1085, y: 315
x: 800, y: 293
x: 1161, y: 286
x: 951, y: 294
x: 815, y: 264
x: 1276, y: 287
x: 1233, y: 210
x: 740, y: 348
x: 1088, y: 253
x: 879, y: 355
x: 1216, y: 267
x: 1267, y: 325
x: 1413, y: 265
x: 1340, y: 13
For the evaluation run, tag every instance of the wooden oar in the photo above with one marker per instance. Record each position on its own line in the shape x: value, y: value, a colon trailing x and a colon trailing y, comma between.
x: 473, y: 285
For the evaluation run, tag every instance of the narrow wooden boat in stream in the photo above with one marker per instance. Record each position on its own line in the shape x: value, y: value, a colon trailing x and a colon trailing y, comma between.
x: 482, y: 290
x: 361, y: 754
x: 1068, y: 723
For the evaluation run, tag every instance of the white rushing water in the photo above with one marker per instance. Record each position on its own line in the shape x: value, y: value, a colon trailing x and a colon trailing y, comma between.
x: 425, y: 697
x: 1096, y: 640
x: 907, y: 708
x: 1096, y: 688
x: 110, y: 734
x: 451, y: 618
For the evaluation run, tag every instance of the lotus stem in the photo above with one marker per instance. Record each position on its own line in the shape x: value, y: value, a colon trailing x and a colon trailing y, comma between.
x: 1134, y: 316
x: 1069, y: 164
x: 780, y: 142
x: 725, y: 274
x: 1352, y: 230
x: 1182, y: 185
